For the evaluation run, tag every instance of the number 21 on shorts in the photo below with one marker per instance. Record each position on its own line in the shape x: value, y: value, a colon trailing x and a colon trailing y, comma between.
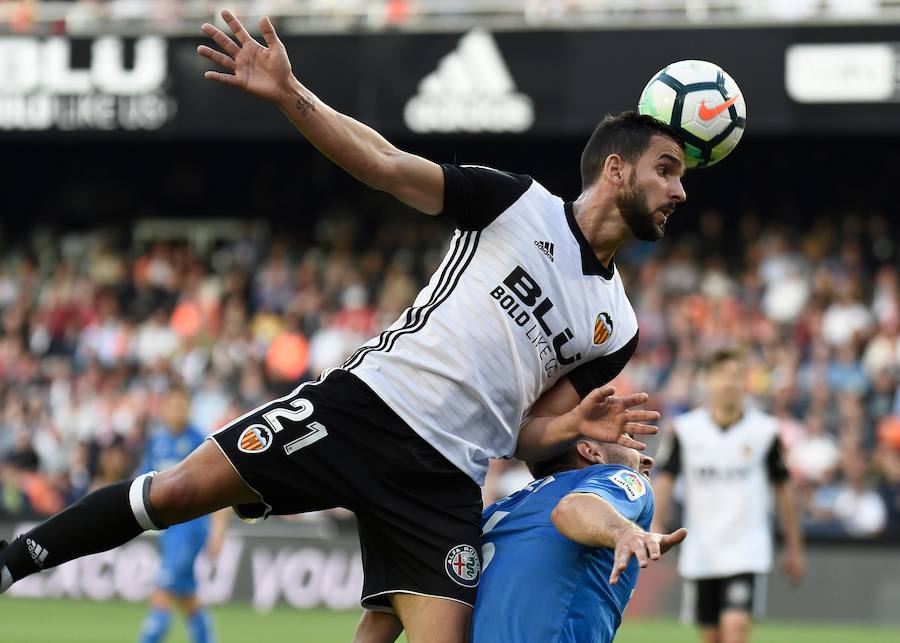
x: 303, y: 408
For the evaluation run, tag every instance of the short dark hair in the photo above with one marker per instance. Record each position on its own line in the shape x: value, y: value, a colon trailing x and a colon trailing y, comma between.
x: 627, y: 135
x: 722, y: 355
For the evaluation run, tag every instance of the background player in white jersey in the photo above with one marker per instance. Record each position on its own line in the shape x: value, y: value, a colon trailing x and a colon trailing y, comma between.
x: 503, y: 353
x: 729, y: 455
x: 561, y: 556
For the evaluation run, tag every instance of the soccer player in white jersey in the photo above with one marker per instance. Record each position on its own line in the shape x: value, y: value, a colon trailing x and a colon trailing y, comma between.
x: 505, y: 352
x: 729, y: 455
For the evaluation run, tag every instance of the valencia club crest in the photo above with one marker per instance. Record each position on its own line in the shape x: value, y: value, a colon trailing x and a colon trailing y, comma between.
x: 603, y: 328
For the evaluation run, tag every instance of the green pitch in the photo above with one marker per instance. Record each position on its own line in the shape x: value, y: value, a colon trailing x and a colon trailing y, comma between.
x: 63, y: 621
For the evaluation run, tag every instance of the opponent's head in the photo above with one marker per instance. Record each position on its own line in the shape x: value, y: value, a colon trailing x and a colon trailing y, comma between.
x: 176, y: 404
x: 642, y: 159
x: 725, y: 377
x: 586, y: 452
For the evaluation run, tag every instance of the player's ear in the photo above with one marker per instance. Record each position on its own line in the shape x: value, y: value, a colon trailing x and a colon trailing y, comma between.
x: 590, y: 452
x: 613, y: 170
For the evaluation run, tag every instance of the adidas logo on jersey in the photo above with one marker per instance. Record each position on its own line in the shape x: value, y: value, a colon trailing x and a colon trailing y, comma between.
x: 38, y: 553
x: 470, y: 91
x: 546, y: 247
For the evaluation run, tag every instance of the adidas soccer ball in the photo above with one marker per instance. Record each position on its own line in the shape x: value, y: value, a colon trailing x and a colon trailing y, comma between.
x: 702, y: 103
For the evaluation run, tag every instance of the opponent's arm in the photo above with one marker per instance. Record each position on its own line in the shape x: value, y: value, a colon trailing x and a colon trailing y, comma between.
x: 560, y: 417
x: 794, y: 563
x: 358, y: 149
x: 590, y: 520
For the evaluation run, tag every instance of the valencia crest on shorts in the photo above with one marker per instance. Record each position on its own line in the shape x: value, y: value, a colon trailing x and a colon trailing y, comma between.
x: 255, y: 439
x: 463, y: 565
x: 603, y: 328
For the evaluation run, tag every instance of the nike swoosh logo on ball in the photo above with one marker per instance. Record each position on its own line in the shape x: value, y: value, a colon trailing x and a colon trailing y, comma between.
x: 709, y: 113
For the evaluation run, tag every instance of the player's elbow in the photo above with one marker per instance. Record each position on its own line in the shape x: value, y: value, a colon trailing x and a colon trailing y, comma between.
x: 564, y: 515
x: 378, y: 170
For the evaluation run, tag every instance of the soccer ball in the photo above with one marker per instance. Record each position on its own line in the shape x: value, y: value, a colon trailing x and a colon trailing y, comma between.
x: 702, y: 103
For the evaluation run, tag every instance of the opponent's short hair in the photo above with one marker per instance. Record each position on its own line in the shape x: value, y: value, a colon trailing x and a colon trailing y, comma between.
x: 722, y: 355
x: 566, y: 460
x: 627, y: 135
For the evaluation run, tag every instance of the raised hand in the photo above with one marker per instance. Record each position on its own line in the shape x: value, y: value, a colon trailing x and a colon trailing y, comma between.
x: 644, y: 546
x: 607, y: 417
x: 262, y: 71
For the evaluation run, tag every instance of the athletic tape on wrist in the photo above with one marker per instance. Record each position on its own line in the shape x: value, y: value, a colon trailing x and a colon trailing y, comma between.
x: 139, y: 497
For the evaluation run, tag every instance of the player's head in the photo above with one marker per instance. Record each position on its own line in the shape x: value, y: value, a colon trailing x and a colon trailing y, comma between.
x: 725, y: 377
x: 175, y: 407
x: 586, y: 452
x: 642, y: 158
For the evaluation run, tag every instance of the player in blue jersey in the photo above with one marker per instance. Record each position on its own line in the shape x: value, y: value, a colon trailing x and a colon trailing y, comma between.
x: 180, y: 544
x: 561, y: 556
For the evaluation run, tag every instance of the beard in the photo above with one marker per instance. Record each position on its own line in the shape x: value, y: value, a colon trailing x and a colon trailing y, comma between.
x: 637, y: 213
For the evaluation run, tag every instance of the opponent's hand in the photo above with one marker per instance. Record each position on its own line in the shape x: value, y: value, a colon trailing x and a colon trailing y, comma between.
x: 644, y: 546
x: 262, y: 71
x: 607, y: 417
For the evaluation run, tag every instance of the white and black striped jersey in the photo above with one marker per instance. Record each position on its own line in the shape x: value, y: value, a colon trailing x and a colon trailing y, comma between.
x: 727, y: 473
x: 519, y: 301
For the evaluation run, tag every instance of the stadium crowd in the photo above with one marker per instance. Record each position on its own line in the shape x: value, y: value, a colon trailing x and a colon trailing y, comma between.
x: 79, y: 16
x: 95, y: 326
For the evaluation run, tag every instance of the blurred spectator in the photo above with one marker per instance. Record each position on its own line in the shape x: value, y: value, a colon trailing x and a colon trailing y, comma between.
x: 857, y: 506
x: 95, y: 329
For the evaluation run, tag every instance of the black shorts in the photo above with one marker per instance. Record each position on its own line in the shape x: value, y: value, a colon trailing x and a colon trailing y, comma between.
x: 704, y: 600
x: 335, y: 443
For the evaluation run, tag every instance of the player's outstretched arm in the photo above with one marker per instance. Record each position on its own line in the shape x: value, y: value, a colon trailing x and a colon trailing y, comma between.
x: 590, y: 520
x: 265, y: 71
x: 560, y: 417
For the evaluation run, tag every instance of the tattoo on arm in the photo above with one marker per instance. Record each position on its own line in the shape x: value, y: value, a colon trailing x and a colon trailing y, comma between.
x: 305, y: 105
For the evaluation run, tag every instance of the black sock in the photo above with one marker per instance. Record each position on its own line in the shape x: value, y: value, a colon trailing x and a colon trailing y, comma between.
x: 100, y: 521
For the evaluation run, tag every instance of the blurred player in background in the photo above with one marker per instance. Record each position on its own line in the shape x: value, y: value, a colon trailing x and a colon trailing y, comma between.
x: 730, y: 458
x: 561, y: 556
x: 181, y: 544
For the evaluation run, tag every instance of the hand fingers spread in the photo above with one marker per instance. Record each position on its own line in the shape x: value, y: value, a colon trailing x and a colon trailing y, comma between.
x: 640, y: 552
x: 599, y: 395
x: 228, y: 79
x: 630, y: 443
x: 670, y: 540
x: 236, y: 27
x: 641, y: 416
x: 620, y: 562
x: 221, y: 39
x: 640, y: 429
x: 268, y: 31
x: 677, y: 536
x: 634, y: 399
x: 216, y: 56
x: 653, y: 548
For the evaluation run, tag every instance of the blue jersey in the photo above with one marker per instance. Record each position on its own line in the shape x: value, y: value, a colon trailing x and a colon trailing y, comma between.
x: 539, y: 586
x: 165, y: 450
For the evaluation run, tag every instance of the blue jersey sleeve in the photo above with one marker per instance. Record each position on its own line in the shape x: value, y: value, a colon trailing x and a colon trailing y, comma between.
x: 626, y: 490
x: 147, y: 461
